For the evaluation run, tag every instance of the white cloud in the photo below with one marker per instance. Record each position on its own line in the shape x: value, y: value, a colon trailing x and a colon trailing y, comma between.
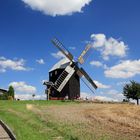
x: 96, y: 63
x: 104, y: 98
x: 29, y: 97
x: 115, y: 94
x: 23, y: 88
x: 24, y: 91
x: 85, y: 95
x: 100, y: 85
x: 57, y: 7
x: 72, y: 48
x: 40, y: 61
x: 17, y: 65
x: 24, y: 96
x: 108, y: 47
x: 112, y: 95
x: 99, y: 40
x: 58, y: 55
x: 125, y: 69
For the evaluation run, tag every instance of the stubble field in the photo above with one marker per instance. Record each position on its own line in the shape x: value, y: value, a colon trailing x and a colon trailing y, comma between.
x: 56, y: 120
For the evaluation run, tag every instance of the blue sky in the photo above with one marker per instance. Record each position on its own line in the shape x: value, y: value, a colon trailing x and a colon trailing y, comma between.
x: 27, y: 26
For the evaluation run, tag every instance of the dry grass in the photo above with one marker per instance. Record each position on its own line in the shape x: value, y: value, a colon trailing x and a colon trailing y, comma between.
x: 94, y: 121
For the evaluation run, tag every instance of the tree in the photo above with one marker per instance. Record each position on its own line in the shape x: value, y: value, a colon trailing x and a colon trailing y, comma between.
x: 132, y: 91
x: 11, y: 92
x: 33, y: 95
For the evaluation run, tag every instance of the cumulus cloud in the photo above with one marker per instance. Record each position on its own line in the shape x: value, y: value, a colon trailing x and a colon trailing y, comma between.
x: 100, y: 85
x: 57, y: 7
x: 96, y: 63
x: 108, y: 47
x: 104, y: 98
x: 40, y: 61
x: 58, y: 55
x: 23, y: 88
x: 99, y: 40
x: 111, y: 95
x: 17, y: 65
x: 29, y: 97
x: 125, y: 69
x: 23, y: 91
x: 115, y: 94
x: 85, y: 95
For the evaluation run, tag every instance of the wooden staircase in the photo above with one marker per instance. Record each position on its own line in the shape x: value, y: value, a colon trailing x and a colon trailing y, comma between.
x: 63, y: 78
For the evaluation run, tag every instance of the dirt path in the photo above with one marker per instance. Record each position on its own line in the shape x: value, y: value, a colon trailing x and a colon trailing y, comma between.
x: 3, y: 134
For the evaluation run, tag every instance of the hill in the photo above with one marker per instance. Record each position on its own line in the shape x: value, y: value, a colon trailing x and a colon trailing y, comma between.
x: 56, y: 120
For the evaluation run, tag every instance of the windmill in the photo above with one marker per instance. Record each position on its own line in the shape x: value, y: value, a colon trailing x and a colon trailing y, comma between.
x: 64, y: 77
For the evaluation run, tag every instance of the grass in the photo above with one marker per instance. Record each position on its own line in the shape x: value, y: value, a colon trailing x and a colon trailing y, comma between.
x: 56, y: 120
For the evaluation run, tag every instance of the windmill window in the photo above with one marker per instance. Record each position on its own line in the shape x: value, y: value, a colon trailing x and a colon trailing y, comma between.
x: 55, y: 72
x: 50, y: 74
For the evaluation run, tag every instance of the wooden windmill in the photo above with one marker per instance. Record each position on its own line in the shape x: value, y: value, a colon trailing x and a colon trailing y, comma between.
x: 64, y: 77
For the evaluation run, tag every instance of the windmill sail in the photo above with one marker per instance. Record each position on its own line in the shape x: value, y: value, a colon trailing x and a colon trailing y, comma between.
x: 62, y: 48
x: 82, y: 71
x: 84, y: 54
x: 86, y: 82
x: 64, y: 78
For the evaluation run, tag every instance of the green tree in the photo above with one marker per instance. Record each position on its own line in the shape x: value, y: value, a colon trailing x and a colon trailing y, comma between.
x: 132, y: 91
x: 33, y: 95
x: 11, y: 92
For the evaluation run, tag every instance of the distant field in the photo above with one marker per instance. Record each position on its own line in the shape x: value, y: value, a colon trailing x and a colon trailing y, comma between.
x: 56, y: 120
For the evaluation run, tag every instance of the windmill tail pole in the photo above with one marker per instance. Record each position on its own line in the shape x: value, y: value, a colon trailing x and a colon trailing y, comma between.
x: 137, y: 101
x: 48, y: 94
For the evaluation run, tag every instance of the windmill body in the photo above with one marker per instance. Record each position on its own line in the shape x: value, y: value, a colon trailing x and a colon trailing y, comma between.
x: 64, y: 77
x: 72, y: 87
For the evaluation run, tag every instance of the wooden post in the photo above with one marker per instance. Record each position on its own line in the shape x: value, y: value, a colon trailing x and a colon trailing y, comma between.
x: 48, y: 93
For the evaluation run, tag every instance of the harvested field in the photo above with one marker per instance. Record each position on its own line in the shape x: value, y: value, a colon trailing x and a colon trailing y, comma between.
x: 75, y: 121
